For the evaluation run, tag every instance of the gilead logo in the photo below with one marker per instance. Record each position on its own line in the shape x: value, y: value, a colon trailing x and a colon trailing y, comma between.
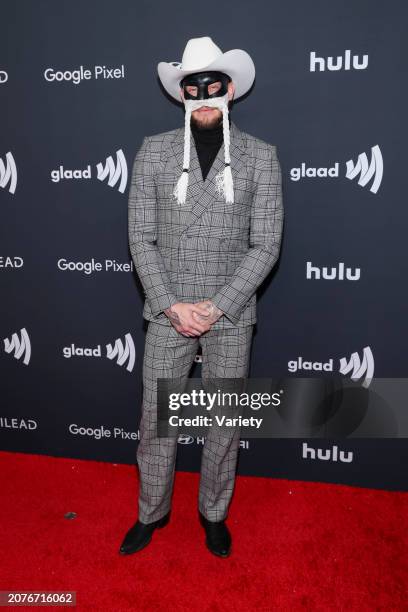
x: 17, y: 423
x: 11, y: 262
x: 116, y: 172
x: 326, y: 454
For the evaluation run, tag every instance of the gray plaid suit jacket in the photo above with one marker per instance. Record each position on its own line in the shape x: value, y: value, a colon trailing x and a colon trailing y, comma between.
x: 204, y: 248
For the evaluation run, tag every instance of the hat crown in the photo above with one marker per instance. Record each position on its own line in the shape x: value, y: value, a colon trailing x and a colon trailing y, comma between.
x: 199, y: 53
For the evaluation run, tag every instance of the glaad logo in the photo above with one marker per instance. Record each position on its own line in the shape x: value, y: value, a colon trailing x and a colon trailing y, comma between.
x: 119, y: 352
x: 331, y: 273
x: 19, y: 346
x: 327, y: 454
x: 122, y: 353
x: 359, y: 368
x: 116, y: 173
x: 345, y: 63
x: 365, y: 367
x: 8, y: 173
x: 366, y: 171
x: 3, y: 76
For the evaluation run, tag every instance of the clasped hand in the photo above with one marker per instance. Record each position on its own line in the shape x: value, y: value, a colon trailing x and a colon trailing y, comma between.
x: 193, y: 319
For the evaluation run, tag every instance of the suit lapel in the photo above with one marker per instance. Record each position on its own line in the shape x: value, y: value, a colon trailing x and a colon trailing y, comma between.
x: 200, y: 194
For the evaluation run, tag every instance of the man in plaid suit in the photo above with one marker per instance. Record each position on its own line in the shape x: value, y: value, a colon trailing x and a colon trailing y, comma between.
x: 201, y: 245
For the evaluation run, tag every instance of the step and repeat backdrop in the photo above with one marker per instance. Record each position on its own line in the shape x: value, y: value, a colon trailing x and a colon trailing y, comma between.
x: 78, y: 93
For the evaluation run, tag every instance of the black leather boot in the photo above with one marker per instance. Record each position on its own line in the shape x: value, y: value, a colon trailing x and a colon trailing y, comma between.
x: 218, y: 537
x: 140, y: 535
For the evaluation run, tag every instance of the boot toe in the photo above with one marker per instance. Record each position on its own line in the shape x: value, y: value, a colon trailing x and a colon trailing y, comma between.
x: 136, y: 538
x: 218, y: 537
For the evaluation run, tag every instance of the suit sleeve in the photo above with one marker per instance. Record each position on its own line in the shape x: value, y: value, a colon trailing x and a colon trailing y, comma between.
x: 264, y: 240
x: 142, y: 231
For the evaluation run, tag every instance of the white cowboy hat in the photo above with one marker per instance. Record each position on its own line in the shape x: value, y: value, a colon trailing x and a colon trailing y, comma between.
x: 202, y: 54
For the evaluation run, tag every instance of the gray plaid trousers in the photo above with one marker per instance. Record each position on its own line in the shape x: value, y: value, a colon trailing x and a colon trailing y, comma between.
x: 168, y: 354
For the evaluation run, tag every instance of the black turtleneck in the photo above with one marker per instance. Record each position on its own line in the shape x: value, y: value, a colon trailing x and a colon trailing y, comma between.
x: 208, y: 143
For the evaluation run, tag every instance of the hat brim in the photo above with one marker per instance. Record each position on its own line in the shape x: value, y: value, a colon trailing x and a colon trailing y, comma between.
x: 236, y: 63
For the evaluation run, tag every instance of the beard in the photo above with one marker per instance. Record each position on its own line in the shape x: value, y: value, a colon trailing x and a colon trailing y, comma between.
x: 205, y: 123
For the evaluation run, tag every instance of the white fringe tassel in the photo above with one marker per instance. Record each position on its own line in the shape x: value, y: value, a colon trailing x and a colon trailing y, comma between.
x: 228, y: 184
x: 223, y: 181
x: 180, y: 190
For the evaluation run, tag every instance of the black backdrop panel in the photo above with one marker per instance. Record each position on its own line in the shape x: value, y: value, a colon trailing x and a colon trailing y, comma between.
x: 78, y: 92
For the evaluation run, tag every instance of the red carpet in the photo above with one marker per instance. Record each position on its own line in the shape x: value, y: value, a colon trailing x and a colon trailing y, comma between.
x: 296, y: 545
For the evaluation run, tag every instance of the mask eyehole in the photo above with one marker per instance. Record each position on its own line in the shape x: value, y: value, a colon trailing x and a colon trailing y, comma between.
x: 189, y: 93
